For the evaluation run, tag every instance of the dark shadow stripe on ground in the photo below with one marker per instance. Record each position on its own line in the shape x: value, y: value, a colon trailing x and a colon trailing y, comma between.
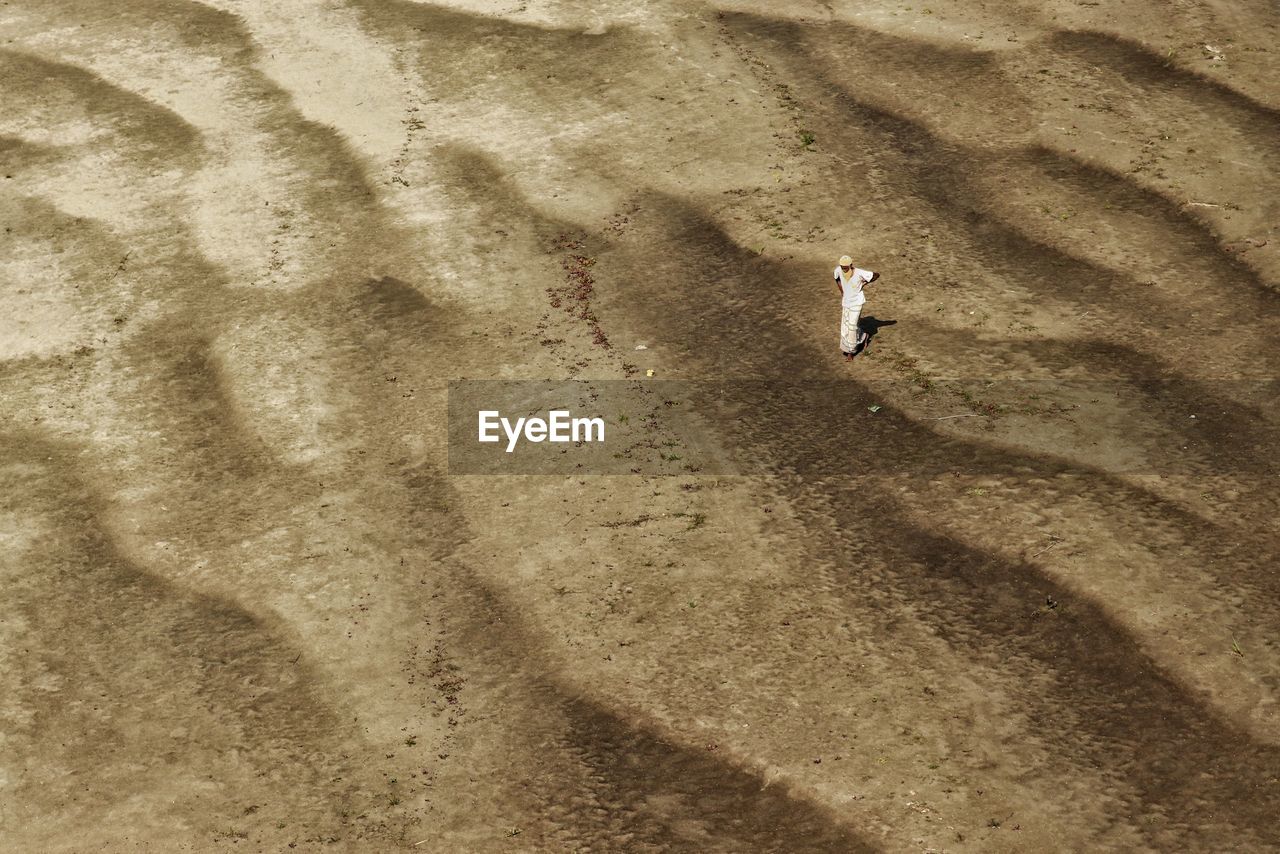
x: 1163, y: 738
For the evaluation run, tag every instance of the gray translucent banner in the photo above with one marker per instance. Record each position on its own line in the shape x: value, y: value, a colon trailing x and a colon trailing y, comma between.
x: 826, y: 427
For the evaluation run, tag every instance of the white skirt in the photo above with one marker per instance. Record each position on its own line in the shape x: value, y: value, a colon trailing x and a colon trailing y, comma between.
x: 849, y: 336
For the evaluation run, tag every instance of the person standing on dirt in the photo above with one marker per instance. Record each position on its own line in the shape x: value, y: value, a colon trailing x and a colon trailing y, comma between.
x: 850, y: 281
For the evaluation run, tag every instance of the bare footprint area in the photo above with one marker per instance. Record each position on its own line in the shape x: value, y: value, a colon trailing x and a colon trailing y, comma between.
x: 1003, y: 582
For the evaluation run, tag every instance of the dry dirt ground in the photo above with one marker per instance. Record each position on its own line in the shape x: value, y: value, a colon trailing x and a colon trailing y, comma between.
x: 248, y: 243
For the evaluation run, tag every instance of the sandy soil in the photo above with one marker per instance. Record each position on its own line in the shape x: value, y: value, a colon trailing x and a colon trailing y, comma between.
x: 248, y: 244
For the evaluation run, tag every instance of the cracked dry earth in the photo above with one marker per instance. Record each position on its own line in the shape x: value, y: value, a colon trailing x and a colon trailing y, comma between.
x: 247, y: 244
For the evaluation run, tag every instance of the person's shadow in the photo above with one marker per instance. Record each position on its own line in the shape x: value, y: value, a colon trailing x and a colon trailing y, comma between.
x: 871, y: 325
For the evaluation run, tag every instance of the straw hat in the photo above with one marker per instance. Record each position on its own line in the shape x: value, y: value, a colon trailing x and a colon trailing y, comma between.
x: 846, y: 261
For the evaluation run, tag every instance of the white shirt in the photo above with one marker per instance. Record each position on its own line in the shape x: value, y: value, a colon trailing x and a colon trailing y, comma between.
x: 851, y: 283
